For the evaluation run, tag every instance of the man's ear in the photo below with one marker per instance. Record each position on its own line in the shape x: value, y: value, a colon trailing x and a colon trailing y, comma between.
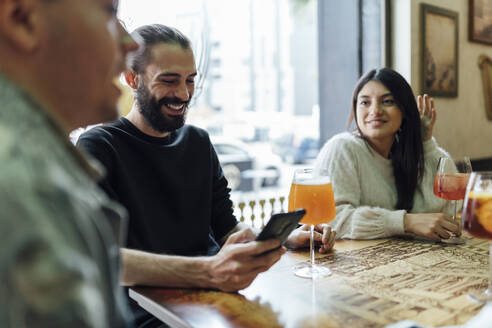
x: 131, y: 78
x: 19, y: 23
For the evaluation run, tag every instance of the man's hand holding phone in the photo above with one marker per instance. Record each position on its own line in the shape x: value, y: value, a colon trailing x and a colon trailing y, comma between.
x: 241, y: 259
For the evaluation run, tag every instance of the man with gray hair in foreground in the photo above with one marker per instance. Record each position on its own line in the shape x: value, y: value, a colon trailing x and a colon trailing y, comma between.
x: 59, y: 256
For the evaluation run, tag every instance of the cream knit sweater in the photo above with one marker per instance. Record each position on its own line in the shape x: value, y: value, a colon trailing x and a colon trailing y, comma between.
x: 365, y: 190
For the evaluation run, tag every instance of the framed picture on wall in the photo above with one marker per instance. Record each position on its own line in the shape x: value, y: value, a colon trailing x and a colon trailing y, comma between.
x: 439, y: 51
x: 480, y: 21
x: 485, y: 64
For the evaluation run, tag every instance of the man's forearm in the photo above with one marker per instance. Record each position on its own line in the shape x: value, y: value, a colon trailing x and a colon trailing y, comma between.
x: 147, y: 269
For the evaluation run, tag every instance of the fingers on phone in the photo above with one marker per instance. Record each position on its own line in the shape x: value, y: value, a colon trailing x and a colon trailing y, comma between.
x: 259, y: 247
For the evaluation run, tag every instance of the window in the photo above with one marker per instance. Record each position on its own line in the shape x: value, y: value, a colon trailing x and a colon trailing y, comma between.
x: 258, y: 85
x: 259, y: 73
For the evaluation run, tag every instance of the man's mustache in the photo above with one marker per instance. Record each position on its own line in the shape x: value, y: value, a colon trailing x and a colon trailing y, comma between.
x: 172, y: 101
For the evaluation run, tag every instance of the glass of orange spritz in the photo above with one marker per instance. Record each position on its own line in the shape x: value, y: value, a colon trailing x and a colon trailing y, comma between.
x: 477, y: 220
x: 312, y: 191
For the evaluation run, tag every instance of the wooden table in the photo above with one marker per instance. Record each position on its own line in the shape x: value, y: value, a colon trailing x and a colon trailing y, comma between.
x: 374, y: 283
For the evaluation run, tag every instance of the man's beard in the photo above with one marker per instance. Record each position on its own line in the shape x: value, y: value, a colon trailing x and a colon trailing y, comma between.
x: 151, y: 110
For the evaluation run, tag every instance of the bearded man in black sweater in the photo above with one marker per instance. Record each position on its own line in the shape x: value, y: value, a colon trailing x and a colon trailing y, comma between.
x: 182, y: 232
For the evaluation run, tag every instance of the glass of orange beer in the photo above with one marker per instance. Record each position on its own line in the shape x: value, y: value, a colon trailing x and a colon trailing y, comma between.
x: 313, y: 192
x: 477, y: 219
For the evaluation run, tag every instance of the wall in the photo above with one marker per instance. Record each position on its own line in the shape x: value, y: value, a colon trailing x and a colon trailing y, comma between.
x: 462, y: 127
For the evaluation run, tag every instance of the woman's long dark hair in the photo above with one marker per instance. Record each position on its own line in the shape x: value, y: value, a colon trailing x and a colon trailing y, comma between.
x: 407, y: 151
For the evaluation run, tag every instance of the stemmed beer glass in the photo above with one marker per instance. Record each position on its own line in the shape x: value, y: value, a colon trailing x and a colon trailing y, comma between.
x: 450, y: 184
x: 477, y: 219
x: 313, y: 192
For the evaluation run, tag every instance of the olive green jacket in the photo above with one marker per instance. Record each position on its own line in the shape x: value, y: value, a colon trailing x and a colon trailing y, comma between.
x: 58, y: 251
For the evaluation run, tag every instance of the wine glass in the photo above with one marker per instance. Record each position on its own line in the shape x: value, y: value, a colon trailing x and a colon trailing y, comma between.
x: 450, y: 184
x: 313, y: 192
x: 477, y: 219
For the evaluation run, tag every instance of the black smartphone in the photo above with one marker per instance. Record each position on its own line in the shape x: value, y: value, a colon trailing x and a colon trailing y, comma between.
x: 281, y: 225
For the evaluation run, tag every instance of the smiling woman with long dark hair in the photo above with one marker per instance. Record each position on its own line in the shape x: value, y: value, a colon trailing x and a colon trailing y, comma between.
x: 382, y: 172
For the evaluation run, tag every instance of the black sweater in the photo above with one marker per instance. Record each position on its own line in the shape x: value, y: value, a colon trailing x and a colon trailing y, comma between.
x: 173, y: 187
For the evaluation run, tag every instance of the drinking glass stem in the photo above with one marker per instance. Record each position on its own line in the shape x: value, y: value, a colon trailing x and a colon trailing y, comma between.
x: 311, y: 245
x: 454, y: 211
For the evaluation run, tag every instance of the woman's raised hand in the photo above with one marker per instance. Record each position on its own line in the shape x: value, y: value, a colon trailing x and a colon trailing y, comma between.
x: 427, y: 112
